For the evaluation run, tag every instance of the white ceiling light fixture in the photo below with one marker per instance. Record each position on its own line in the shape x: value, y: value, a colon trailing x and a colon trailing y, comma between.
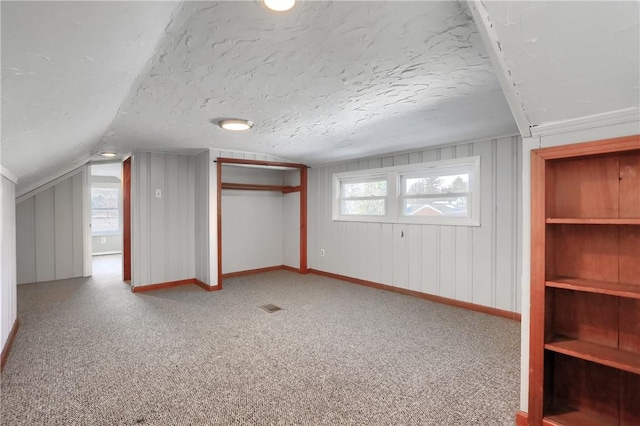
x: 279, y: 5
x: 108, y: 154
x: 235, y: 124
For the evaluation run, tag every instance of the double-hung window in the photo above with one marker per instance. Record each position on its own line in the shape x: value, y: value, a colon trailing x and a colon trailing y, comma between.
x: 440, y: 193
x: 363, y: 197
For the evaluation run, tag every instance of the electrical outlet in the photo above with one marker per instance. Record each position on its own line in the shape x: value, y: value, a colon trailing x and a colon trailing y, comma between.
x: 103, y: 240
x: 321, y: 252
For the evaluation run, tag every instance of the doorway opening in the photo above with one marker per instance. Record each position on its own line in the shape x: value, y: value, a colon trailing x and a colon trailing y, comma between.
x: 106, y: 220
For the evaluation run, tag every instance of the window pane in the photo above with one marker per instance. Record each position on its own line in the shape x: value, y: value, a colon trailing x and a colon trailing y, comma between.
x: 104, y: 210
x: 376, y: 188
x: 104, y: 198
x: 439, y: 207
x: 437, y: 184
x: 105, y: 220
x: 363, y: 207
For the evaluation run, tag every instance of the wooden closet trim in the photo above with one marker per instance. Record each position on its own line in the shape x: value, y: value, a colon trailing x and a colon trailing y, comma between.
x: 302, y: 188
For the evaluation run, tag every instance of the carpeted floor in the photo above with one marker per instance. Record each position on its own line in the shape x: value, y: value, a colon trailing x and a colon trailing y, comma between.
x: 90, y: 352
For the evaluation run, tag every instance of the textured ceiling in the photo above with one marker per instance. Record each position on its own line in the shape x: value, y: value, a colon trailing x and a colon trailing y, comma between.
x: 66, y: 67
x: 327, y: 81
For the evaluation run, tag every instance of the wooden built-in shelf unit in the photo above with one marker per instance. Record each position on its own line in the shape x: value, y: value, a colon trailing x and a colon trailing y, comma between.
x: 585, y: 284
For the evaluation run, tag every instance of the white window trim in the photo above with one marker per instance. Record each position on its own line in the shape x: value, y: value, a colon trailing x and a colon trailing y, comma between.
x: 394, y: 197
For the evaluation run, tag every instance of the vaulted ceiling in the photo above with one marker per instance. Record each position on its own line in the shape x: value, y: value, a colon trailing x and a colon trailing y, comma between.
x: 325, y: 82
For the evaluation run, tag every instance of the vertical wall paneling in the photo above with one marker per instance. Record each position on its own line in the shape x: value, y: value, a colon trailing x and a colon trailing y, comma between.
x: 63, y: 206
x: 44, y: 230
x: 313, y: 257
x: 291, y: 221
x: 474, y: 264
x: 156, y: 218
x: 387, y: 248
x: 414, y: 257
x: 201, y: 212
x: 483, y: 236
x: 26, y: 244
x: 8, y: 291
x: 430, y: 259
x: 506, y: 217
x: 399, y: 255
x: 51, y: 224
x: 331, y: 235
x: 374, y: 252
x: 78, y: 241
x: 163, y: 223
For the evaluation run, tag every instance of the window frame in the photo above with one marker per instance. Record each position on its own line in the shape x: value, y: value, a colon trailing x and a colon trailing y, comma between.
x: 395, y: 177
x: 368, y: 176
x: 106, y: 185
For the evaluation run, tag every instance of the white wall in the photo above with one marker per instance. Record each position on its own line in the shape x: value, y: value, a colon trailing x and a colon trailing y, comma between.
x: 50, y: 239
x: 555, y: 139
x: 252, y: 221
x: 291, y: 221
x: 8, y: 297
x: 480, y: 265
x: 163, y: 229
x: 203, y: 215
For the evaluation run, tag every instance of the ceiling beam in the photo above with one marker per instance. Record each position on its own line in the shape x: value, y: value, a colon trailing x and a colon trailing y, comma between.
x: 492, y: 44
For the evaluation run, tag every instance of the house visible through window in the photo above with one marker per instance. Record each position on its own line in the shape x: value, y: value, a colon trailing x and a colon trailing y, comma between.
x: 440, y: 193
x: 104, y: 210
x: 435, y: 195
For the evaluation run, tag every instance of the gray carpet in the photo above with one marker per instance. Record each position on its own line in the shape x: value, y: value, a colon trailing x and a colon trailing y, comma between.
x: 90, y: 352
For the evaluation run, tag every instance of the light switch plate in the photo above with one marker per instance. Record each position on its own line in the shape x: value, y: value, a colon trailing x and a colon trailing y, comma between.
x: 158, y: 193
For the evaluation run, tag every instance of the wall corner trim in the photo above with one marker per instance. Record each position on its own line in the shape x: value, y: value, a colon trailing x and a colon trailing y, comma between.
x: 611, y: 118
x: 7, y: 174
x: 9, y: 344
x: 431, y: 297
x: 492, y: 44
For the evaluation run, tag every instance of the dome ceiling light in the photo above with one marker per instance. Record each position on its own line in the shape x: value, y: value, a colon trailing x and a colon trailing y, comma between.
x: 235, y: 124
x: 279, y: 5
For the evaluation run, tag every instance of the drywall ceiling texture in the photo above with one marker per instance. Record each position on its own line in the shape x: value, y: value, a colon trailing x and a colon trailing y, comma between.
x: 327, y: 81
x: 66, y: 67
x: 571, y: 60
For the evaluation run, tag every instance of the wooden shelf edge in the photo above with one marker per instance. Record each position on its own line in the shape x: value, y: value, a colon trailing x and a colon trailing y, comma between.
x: 594, y: 286
x: 592, y: 221
x: 571, y: 417
x: 600, y: 354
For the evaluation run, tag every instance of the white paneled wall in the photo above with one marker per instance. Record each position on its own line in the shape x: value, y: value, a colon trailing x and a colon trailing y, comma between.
x: 163, y: 228
x: 8, y: 296
x: 202, y: 216
x: 291, y: 221
x: 480, y: 265
x: 252, y: 221
x: 50, y: 239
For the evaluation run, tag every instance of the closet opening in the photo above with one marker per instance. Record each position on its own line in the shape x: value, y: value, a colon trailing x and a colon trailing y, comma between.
x: 262, y: 217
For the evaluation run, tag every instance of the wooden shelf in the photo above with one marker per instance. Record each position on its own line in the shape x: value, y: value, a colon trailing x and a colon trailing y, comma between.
x: 604, y: 355
x: 593, y: 221
x: 594, y: 286
x: 571, y: 417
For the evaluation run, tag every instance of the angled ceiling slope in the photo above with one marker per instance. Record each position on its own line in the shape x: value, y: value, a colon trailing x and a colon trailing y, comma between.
x: 66, y: 66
